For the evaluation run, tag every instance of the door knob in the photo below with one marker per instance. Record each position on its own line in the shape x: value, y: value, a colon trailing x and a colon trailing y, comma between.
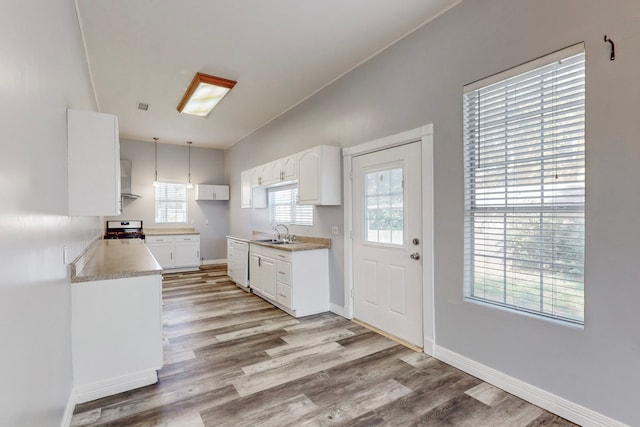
x: 415, y: 256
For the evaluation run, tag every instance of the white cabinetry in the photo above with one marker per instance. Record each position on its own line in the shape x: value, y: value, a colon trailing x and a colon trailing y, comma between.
x: 297, y: 282
x: 212, y: 192
x: 255, y: 278
x: 251, y: 196
x: 175, y: 251
x: 116, y: 335
x: 238, y: 261
x: 93, y: 148
x: 317, y: 170
x: 261, y: 176
x: 319, y: 174
x: 282, y: 170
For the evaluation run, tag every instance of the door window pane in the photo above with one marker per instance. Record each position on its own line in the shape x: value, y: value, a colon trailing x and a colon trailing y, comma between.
x: 384, y: 207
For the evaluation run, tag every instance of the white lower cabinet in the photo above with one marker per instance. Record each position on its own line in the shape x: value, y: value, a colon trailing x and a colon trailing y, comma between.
x: 268, y: 277
x: 116, y: 335
x: 175, y: 251
x: 297, y: 282
x: 255, y: 277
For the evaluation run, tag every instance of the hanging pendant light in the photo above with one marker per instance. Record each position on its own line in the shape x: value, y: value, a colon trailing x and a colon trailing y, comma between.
x: 155, y: 179
x: 189, y: 184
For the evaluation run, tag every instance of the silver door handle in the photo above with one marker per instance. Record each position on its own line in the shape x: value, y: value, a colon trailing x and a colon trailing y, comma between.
x: 415, y: 256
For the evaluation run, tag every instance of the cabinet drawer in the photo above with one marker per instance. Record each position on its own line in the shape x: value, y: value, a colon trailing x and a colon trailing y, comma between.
x: 284, y: 295
x: 194, y: 238
x: 283, y: 272
x: 277, y: 254
x: 158, y: 239
x: 240, y: 246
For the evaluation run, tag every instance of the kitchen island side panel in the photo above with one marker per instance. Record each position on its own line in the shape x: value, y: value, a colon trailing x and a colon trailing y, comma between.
x: 116, y: 335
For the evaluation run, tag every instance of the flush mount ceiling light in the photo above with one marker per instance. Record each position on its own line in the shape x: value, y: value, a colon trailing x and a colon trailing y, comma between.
x: 203, y: 94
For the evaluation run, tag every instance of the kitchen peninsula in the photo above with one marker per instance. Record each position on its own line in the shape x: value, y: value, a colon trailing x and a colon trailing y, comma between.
x: 116, y: 318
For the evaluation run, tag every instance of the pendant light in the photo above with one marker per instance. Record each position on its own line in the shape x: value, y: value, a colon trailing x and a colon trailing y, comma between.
x: 189, y: 184
x: 155, y: 179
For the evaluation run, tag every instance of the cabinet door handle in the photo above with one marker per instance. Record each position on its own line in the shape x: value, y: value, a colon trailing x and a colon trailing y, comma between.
x: 259, y: 262
x: 171, y: 254
x: 281, y: 272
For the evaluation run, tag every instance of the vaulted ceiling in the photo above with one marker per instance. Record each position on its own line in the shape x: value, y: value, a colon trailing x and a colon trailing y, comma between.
x: 279, y: 51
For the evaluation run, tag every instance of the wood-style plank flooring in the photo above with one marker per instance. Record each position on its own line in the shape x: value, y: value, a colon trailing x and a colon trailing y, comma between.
x: 232, y: 359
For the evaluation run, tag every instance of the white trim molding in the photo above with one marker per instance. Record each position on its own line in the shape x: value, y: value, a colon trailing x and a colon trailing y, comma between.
x: 542, y: 398
x: 96, y: 390
x: 424, y: 134
x: 68, y: 410
x: 214, y: 261
x: 337, y: 309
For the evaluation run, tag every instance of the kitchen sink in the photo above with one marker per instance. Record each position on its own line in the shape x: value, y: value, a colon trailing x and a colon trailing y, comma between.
x: 271, y: 241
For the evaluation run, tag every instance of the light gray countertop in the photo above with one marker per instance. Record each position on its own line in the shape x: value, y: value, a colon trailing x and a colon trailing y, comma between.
x: 114, y: 259
x: 302, y: 243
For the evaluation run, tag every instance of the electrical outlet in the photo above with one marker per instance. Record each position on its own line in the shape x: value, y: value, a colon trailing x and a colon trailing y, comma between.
x: 334, y: 230
x: 206, y: 222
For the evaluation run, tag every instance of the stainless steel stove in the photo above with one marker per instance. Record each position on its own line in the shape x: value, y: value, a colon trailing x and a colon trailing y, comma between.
x: 124, y: 230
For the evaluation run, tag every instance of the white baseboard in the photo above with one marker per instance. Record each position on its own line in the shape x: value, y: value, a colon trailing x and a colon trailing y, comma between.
x: 337, y: 309
x: 428, y: 346
x: 68, y: 410
x: 544, y: 399
x: 87, y: 392
x: 214, y: 261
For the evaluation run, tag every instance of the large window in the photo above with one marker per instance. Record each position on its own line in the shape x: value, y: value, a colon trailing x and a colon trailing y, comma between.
x: 283, y: 207
x: 524, y: 153
x: 171, y: 203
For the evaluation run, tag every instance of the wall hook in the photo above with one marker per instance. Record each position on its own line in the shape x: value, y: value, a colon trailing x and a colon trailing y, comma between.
x: 613, y: 47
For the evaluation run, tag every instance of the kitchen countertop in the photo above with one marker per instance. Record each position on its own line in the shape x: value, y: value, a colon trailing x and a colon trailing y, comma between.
x: 302, y: 243
x: 168, y: 231
x: 114, y: 259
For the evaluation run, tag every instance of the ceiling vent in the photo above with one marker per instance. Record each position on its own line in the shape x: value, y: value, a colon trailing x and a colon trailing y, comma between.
x: 142, y: 106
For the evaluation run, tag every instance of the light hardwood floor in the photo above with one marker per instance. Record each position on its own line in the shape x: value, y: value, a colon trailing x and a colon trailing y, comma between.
x: 231, y: 359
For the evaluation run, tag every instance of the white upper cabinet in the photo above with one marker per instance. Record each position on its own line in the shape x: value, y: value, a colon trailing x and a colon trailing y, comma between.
x: 246, y: 188
x: 261, y: 176
x: 283, y: 170
x: 319, y: 176
x: 317, y: 170
x: 212, y: 192
x: 251, y: 195
x: 93, y: 149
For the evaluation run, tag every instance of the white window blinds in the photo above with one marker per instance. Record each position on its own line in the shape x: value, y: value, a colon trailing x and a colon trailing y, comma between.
x: 524, y: 154
x: 283, y: 207
x: 171, y: 202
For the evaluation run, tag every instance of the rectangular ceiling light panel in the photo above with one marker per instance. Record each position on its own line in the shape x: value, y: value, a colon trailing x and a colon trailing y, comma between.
x: 203, y: 94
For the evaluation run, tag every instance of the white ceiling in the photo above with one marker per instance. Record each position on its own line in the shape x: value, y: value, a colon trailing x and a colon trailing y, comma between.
x: 279, y: 51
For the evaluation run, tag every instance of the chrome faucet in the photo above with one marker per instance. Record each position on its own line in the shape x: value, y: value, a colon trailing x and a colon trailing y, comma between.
x: 286, y: 236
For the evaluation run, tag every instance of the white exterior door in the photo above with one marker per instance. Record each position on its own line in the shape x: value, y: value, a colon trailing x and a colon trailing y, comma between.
x: 387, y: 234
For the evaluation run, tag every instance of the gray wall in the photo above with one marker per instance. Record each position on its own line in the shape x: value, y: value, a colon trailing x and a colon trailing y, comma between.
x: 43, y: 72
x: 418, y: 81
x: 207, y: 167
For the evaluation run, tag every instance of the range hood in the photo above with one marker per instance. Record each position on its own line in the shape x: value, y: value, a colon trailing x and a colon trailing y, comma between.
x: 125, y: 180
